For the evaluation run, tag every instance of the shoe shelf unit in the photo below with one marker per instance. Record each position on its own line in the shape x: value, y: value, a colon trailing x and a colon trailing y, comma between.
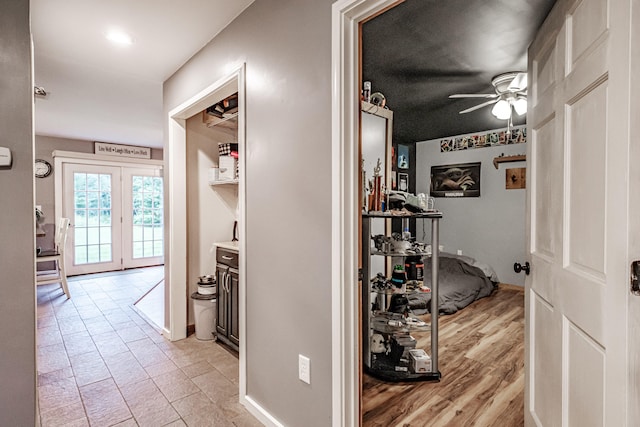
x: 388, y: 350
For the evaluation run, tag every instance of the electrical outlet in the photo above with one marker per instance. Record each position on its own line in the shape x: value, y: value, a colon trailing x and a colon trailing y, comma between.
x: 459, y: 251
x: 304, y: 369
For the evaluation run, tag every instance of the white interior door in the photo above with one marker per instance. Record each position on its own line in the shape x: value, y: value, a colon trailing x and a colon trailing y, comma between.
x: 142, y: 219
x: 92, y: 201
x: 576, y: 295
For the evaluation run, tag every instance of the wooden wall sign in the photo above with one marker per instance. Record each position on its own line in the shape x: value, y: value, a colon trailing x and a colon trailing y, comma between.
x: 516, y: 178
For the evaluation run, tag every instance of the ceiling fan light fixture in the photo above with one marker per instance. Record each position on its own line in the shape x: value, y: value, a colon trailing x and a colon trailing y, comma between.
x: 520, y: 105
x: 519, y: 82
x: 502, y: 110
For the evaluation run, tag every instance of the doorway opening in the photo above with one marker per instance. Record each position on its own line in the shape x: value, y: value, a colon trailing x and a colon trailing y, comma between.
x: 348, y: 16
x: 178, y: 209
x: 116, y: 211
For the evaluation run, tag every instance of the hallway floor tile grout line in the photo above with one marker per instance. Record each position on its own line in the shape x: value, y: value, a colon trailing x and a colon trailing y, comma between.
x: 100, y: 363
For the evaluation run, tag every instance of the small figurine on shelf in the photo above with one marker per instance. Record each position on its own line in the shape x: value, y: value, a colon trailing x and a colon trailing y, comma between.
x: 379, y: 344
x: 377, y: 190
x: 399, y: 277
x: 366, y: 91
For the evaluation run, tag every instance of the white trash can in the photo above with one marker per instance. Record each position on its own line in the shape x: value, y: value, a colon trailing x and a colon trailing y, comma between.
x: 204, y: 313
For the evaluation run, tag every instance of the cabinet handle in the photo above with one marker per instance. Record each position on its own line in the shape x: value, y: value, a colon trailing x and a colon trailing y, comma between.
x: 225, y: 275
x: 229, y: 278
x: 228, y: 258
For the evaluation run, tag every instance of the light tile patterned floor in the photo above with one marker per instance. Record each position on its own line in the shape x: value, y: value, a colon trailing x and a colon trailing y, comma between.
x: 101, y: 364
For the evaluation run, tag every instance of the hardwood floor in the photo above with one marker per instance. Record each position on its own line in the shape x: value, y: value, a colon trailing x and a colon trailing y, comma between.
x: 481, y: 357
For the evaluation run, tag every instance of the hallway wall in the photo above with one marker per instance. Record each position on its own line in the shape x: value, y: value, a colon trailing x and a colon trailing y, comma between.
x: 286, y: 45
x: 17, y: 221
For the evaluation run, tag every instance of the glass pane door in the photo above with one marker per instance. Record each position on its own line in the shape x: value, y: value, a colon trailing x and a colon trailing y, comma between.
x: 143, y: 224
x: 92, y: 202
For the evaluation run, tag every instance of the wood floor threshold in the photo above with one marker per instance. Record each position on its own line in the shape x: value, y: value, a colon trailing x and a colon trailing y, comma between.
x: 481, y: 352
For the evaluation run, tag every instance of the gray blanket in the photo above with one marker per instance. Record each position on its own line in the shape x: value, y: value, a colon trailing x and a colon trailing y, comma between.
x: 459, y: 284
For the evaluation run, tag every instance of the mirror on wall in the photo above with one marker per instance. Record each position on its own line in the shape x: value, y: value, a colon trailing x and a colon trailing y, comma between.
x: 376, y: 133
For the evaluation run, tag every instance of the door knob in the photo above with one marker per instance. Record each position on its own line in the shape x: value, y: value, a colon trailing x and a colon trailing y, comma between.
x: 517, y: 267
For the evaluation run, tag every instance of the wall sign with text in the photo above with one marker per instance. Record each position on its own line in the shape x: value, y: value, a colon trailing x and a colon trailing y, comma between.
x: 122, y: 150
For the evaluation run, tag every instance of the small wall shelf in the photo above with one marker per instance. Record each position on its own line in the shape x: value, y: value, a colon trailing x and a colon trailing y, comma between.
x: 507, y: 159
x: 234, y: 182
x: 229, y: 122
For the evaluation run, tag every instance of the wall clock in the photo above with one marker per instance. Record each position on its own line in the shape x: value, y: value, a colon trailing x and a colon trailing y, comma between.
x: 42, y: 168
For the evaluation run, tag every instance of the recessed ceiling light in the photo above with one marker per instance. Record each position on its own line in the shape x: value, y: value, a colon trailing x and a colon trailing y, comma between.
x: 119, y: 37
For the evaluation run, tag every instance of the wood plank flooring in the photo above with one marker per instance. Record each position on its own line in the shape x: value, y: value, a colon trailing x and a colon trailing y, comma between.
x: 481, y: 351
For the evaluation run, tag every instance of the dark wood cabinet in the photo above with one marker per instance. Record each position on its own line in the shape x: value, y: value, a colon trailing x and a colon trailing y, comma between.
x: 227, y: 327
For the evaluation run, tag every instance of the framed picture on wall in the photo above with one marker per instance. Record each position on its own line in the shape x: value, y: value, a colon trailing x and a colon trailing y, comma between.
x: 459, y: 180
x: 403, y: 157
x: 403, y: 182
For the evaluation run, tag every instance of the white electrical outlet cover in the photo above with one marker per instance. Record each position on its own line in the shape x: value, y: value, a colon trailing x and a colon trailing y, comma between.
x: 5, y: 156
x: 304, y: 369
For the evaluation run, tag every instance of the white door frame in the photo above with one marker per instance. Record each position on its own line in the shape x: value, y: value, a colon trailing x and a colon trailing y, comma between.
x: 345, y: 19
x: 176, y: 208
x: 62, y: 158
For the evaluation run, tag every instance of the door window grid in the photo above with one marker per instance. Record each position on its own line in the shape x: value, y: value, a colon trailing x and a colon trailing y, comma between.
x: 92, y: 218
x: 147, y: 217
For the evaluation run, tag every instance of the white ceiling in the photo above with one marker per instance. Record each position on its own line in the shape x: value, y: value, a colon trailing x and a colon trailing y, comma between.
x: 98, y: 91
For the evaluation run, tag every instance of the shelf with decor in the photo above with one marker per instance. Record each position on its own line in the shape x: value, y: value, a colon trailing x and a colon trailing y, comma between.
x: 508, y: 159
x: 214, y: 183
x: 388, y: 350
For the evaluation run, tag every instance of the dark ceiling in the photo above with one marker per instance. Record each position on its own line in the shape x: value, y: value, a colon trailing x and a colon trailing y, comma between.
x: 422, y: 51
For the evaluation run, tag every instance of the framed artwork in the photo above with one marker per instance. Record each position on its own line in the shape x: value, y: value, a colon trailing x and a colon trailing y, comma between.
x: 460, y: 180
x: 403, y: 182
x: 403, y: 157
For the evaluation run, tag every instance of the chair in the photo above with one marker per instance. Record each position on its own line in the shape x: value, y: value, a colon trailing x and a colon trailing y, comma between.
x: 57, y: 256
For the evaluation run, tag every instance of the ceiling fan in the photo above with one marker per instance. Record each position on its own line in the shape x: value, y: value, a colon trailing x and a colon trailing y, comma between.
x: 511, y: 91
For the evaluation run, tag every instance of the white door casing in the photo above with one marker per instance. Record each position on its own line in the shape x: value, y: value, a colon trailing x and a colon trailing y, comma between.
x: 176, y: 215
x: 346, y: 17
x: 576, y: 295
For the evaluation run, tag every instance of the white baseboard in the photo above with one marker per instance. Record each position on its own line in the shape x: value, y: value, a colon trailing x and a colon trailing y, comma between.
x: 260, y: 413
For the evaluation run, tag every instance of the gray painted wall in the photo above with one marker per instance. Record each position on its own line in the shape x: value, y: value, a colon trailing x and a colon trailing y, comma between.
x: 490, y: 228
x: 286, y: 45
x: 17, y: 225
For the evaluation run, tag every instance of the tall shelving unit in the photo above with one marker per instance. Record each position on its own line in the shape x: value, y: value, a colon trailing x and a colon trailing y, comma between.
x: 386, y: 368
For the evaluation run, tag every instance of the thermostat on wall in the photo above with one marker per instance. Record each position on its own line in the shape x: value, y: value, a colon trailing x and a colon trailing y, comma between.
x: 5, y: 156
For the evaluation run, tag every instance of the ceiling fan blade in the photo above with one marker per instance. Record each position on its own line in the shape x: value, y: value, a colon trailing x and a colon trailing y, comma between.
x: 474, y: 95
x: 477, y: 107
x: 519, y: 83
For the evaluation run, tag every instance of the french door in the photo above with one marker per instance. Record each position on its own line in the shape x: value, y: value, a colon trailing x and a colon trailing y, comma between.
x: 116, y: 217
x: 142, y: 219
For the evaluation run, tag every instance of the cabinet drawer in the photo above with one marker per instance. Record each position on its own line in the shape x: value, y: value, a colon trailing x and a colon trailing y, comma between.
x: 227, y: 257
